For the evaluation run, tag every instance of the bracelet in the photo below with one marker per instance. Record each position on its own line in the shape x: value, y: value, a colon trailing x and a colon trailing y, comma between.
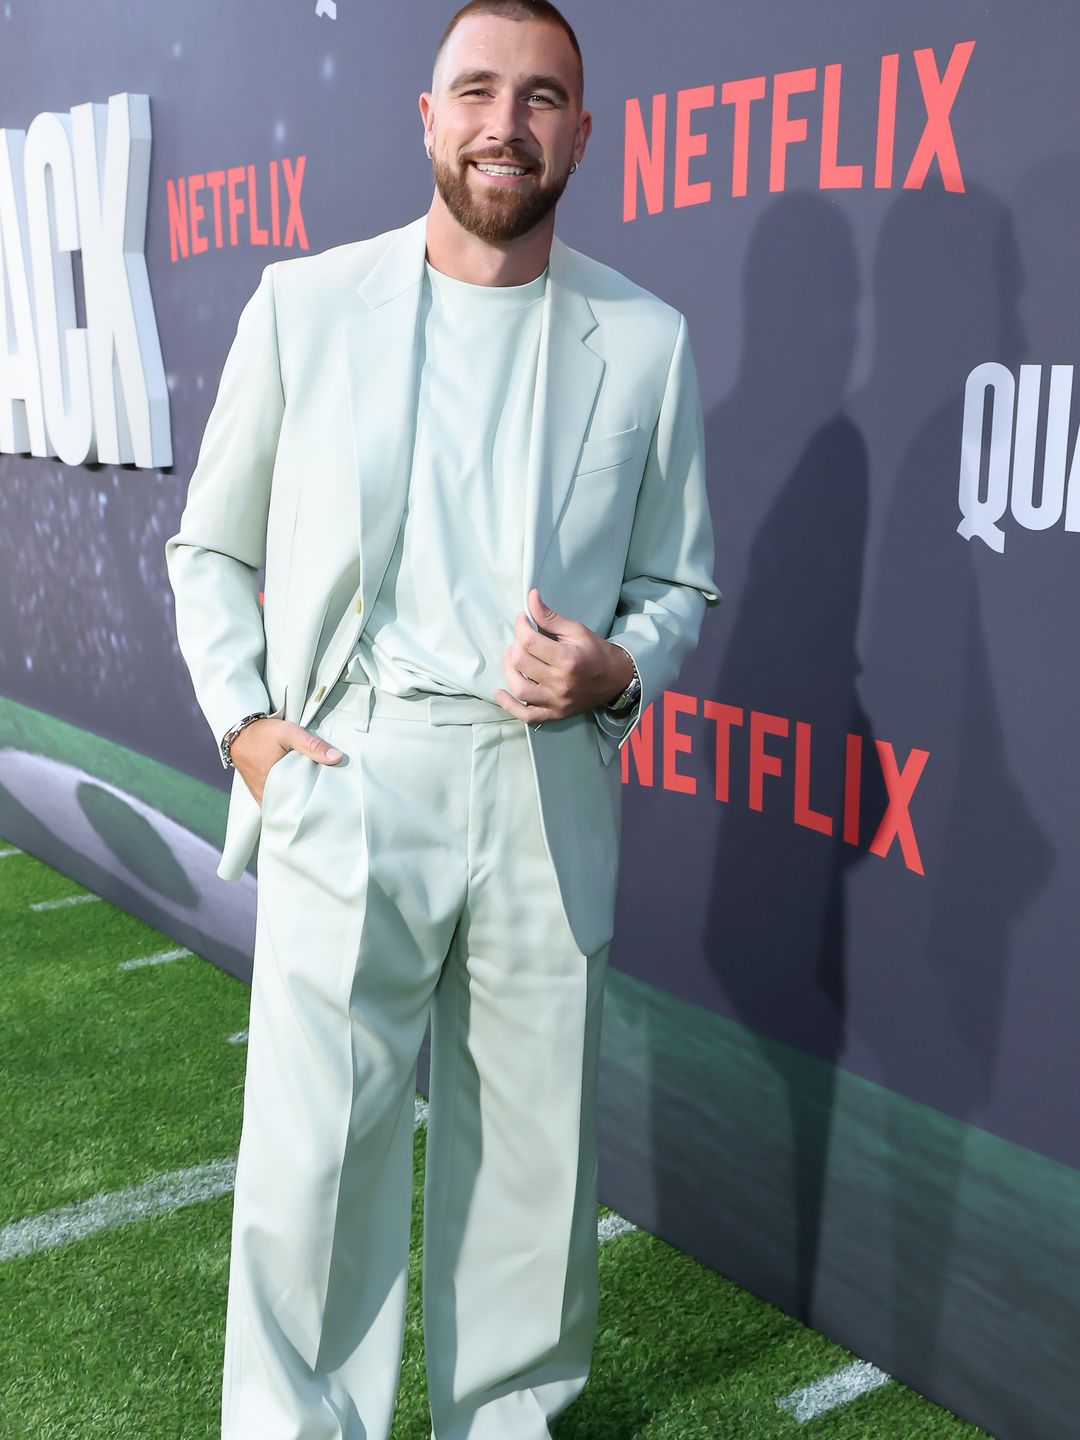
x: 231, y: 734
x: 629, y: 697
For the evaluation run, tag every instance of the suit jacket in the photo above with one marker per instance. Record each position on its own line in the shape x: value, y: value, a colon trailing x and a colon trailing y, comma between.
x: 304, y: 469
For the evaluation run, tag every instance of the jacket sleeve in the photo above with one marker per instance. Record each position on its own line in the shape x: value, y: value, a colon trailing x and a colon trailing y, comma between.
x: 214, y: 558
x: 667, y: 581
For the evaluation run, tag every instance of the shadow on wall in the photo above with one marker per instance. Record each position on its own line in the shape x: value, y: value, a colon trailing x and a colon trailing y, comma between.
x: 856, y: 595
x: 776, y: 916
x: 947, y: 282
x: 138, y: 855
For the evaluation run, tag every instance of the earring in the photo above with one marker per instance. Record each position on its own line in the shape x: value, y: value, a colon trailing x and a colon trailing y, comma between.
x: 573, y: 167
x: 428, y: 150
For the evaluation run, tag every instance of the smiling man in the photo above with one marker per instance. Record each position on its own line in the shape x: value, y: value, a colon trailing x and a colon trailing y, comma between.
x: 470, y: 461
x: 525, y: 177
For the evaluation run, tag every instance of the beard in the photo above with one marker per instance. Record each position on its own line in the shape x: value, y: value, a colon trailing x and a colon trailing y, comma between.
x: 502, y: 214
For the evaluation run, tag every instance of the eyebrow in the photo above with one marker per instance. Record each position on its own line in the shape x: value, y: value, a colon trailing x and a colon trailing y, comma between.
x: 531, y: 82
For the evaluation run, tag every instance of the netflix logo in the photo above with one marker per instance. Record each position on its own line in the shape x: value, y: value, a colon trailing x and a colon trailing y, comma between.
x: 244, y: 205
x: 658, y: 151
x: 778, y: 755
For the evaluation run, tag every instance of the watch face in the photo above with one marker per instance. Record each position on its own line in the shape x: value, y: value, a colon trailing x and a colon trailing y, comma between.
x: 627, y: 698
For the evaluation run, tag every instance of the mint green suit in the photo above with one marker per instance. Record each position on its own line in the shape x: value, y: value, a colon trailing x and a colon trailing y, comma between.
x: 455, y: 862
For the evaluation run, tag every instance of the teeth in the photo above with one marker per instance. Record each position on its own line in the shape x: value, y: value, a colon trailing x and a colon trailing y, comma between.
x: 501, y: 169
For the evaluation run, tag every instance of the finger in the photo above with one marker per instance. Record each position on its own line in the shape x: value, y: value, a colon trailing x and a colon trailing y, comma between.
x: 546, y: 618
x: 522, y: 686
x: 530, y: 665
x: 530, y: 714
x: 551, y: 623
x: 315, y: 747
x: 550, y: 687
x: 543, y: 647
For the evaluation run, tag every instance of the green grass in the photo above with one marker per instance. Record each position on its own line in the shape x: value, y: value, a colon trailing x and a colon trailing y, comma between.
x: 108, y: 1077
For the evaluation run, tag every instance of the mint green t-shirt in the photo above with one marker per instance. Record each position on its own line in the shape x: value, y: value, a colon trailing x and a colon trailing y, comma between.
x: 446, y: 605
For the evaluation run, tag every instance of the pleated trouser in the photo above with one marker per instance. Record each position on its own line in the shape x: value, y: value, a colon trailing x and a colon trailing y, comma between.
x: 412, y: 879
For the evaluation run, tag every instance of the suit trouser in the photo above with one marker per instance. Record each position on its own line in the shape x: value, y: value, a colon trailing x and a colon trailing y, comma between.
x: 412, y: 879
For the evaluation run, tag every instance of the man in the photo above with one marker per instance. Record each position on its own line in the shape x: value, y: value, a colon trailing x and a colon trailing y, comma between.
x: 470, y: 460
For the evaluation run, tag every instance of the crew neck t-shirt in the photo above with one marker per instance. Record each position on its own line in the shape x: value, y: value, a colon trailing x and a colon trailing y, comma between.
x: 445, y: 609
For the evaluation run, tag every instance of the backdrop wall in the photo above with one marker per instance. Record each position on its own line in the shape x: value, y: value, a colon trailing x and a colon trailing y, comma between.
x: 840, y: 1046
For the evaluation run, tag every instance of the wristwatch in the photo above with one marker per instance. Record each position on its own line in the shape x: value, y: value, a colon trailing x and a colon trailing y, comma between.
x: 631, y: 694
x: 231, y: 734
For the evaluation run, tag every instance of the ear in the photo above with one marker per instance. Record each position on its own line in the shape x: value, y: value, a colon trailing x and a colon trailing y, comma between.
x: 427, y: 114
x: 581, y: 139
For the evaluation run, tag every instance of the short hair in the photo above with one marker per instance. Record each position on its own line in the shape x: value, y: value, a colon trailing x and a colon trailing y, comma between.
x: 539, y: 10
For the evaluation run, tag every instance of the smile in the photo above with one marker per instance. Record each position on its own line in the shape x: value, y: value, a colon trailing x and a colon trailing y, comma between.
x: 499, y: 172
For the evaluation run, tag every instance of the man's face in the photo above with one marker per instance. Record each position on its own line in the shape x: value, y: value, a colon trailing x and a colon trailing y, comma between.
x: 506, y: 93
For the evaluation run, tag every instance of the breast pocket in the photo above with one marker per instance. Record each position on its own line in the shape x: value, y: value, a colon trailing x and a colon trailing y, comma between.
x: 604, y: 452
x: 594, y: 527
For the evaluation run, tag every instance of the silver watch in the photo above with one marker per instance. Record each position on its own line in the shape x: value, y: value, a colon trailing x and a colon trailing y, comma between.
x: 631, y: 694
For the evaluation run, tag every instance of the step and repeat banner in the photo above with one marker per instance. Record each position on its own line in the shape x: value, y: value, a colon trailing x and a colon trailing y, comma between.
x: 840, y: 1055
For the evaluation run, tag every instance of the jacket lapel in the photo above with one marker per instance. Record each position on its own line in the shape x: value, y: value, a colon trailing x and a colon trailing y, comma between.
x: 382, y: 353
x: 382, y: 347
x: 568, y: 377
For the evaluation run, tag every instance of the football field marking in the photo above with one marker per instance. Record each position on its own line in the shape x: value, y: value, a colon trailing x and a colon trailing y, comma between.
x: 832, y: 1391
x: 159, y: 1195
x: 66, y: 900
x: 610, y: 1227
x: 159, y: 957
x: 9, y: 851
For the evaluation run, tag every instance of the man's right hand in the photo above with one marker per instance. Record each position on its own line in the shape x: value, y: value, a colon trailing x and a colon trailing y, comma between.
x: 260, y: 745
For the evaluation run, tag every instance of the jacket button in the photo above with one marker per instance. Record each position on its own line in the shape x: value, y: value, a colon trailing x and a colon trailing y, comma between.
x: 359, y: 605
x: 320, y: 692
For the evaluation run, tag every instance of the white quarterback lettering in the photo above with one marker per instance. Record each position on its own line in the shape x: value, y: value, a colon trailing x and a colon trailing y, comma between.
x: 22, y: 419
x: 62, y: 352
x: 93, y: 393
x: 998, y: 470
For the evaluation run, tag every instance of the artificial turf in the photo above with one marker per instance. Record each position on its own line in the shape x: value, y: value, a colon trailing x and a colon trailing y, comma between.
x: 110, y: 1076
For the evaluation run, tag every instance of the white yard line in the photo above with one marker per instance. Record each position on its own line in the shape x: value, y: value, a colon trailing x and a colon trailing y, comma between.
x: 67, y: 900
x: 611, y: 1227
x: 158, y: 1196
x: 240, y: 1038
x: 9, y: 851
x: 834, y: 1390
x: 160, y: 957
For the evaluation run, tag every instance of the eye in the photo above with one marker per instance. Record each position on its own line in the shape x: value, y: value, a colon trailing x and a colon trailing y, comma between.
x: 547, y: 99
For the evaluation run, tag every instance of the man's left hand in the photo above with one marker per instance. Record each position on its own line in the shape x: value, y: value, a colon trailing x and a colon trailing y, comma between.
x: 560, y: 669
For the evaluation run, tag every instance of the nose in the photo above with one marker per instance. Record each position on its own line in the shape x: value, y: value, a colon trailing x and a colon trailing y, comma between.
x: 505, y: 121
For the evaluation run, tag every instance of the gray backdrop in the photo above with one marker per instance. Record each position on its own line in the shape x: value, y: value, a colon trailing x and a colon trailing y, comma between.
x: 849, y: 1084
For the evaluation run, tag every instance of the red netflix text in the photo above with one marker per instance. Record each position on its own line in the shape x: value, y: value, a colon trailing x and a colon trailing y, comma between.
x: 778, y: 753
x: 657, y: 165
x: 244, y: 205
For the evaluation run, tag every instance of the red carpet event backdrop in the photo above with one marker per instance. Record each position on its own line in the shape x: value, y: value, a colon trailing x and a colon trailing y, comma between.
x: 841, y: 1058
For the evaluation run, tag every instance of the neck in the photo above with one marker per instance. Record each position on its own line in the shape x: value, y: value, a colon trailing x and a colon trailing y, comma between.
x: 464, y: 256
